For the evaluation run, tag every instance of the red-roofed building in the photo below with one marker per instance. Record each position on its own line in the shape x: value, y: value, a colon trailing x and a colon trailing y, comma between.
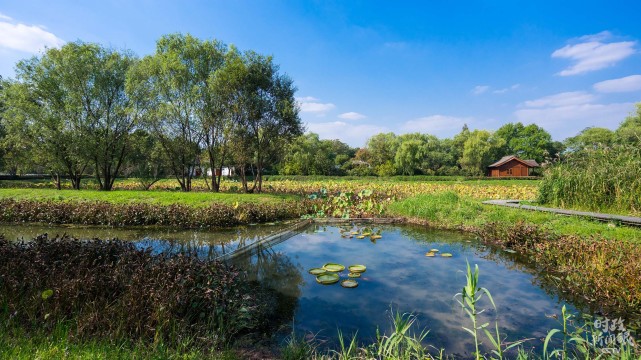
x: 511, y: 166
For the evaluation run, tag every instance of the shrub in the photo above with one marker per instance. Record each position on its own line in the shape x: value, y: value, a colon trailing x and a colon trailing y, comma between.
x: 114, y: 290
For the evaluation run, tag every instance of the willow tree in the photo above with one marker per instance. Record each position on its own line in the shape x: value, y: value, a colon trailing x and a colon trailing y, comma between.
x: 269, y: 116
x: 171, y: 90
x: 73, y: 98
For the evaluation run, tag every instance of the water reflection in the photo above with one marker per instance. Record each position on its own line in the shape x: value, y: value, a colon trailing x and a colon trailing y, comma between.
x: 400, y: 276
x: 207, y: 243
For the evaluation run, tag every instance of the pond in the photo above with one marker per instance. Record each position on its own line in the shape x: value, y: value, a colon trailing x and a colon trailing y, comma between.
x: 399, y: 277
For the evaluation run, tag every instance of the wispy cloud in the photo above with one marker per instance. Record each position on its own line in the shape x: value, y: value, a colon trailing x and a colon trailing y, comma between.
x: 350, y: 133
x: 310, y: 104
x: 352, y: 116
x: 624, y: 84
x: 25, y: 38
x: 439, y: 125
x: 480, y: 89
x: 594, y: 52
x: 566, y: 114
x: 507, y: 89
x: 561, y: 99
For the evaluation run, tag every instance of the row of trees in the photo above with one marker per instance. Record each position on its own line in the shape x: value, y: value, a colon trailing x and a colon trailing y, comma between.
x: 85, y: 109
x: 386, y: 154
x: 467, y: 153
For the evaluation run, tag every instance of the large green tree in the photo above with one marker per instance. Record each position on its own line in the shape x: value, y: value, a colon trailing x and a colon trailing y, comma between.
x: 270, y: 119
x: 526, y: 142
x: 74, y: 100
x: 382, y: 152
x: 308, y: 155
x: 480, y: 150
x: 170, y: 90
x: 590, y: 138
x: 629, y: 132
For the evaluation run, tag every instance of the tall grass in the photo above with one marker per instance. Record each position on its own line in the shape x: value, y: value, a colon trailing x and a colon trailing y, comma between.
x: 596, y: 179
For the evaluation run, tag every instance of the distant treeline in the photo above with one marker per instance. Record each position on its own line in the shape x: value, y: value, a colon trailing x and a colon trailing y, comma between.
x: 466, y: 154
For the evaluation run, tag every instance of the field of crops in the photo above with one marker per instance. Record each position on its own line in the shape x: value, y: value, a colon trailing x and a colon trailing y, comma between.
x: 477, y: 189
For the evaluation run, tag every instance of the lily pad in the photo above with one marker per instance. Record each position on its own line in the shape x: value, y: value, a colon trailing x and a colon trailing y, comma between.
x: 429, y: 254
x: 433, y: 250
x: 349, y: 283
x: 357, y: 268
x: 327, y: 278
x: 317, y: 271
x: 446, y: 255
x: 354, y: 275
x: 333, y: 267
x: 360, y: 237
x: 354, y: 233
x: 375, y: 237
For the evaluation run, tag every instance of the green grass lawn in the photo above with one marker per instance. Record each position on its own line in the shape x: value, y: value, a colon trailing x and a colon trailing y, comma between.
x: 196, y: 199
x: 448, y: 210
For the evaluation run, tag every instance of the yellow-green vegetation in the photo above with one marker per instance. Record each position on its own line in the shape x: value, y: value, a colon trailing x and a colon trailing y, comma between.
x: 395, y: 187
x: 197, y: 199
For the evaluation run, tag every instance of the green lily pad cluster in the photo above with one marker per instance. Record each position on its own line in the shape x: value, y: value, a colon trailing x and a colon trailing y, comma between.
x: 328, y: 274
x: 432, y: 253
x: 361, y: 234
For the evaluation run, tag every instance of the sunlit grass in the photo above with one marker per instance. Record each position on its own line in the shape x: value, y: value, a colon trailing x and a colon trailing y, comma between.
x: 449, y: 210
x: 197, y: 199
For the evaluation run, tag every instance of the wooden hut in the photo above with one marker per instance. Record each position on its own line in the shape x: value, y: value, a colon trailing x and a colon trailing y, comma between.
x: 511, y: 166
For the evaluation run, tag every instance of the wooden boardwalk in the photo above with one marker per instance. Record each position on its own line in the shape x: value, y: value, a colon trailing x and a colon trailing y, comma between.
x: 628, y: 220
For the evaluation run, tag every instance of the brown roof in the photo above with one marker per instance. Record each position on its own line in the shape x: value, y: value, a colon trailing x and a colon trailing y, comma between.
x: 505, y: 159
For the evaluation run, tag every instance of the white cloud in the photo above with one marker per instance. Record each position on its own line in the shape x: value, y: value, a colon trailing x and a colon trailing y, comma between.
x: 504, y: 90
x: 566, y: 114
x: 352, y: 116
x: 352, y: 134
x: 480, y: 89
x: 310, y: 104
x: 592, y: 52
x: 562, y: 99
x: 25, y: 38
x: 306, y: 98
x: 624, y: 84
x: 439, y: 125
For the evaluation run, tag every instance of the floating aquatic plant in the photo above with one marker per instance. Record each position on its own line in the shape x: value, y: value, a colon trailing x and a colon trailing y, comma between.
x: 333, y: 267
x: 317, y: 271
x: 327, y: 278
x: 349, y: 283
x: 357, y: 268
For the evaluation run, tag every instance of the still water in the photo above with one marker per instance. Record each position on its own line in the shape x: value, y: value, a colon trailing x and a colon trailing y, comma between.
x: 400, y: 277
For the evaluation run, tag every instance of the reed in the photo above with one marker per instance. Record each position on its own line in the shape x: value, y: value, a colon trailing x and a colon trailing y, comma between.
x: 601, y: 179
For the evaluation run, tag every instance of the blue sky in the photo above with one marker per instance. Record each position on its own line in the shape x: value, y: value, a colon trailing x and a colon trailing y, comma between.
x: 363, y: 67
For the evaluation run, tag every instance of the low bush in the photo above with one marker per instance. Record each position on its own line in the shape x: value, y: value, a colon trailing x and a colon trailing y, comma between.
x: 176, y: 215
x: 114, y: 290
